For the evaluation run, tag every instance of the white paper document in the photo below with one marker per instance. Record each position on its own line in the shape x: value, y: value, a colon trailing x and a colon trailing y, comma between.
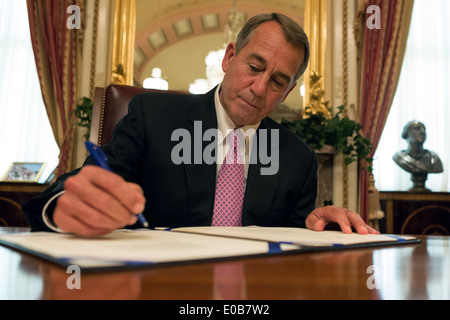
x: 151, y: 247
x: 298, y: 236
x: 134, y: 247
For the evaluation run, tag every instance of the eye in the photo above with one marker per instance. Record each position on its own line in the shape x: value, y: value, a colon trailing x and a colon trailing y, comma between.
x: 277, y: 83
x: 254, y: 68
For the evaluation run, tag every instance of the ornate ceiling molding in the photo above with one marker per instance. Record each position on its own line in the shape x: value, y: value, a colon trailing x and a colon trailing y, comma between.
x: 178, y: 21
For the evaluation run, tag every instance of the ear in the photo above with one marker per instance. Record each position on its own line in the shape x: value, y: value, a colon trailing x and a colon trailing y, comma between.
x: 289, y: 91
x: 230, y: 53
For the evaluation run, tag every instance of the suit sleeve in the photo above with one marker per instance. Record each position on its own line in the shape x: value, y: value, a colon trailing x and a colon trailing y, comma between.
x: 306, y: 199
x: 33, y: 209
x: 124, y: 153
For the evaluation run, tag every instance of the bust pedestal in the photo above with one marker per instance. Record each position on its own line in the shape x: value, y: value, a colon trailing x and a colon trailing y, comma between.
x: 419, y: 180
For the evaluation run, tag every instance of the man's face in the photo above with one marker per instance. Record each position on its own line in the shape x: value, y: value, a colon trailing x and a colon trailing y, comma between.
x: 260, y: 77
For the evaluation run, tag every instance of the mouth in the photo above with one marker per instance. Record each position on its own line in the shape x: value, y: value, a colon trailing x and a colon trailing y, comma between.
x: 249, y: 104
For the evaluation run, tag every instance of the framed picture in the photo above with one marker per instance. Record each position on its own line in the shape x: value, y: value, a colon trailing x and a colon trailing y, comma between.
x: 24, y: 172
x: 51, y: 177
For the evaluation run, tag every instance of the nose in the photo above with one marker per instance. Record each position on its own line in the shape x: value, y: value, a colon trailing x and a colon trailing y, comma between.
x: 259, y: 85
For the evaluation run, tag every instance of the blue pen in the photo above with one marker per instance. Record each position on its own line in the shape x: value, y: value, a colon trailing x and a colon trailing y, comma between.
x: 102, y: 161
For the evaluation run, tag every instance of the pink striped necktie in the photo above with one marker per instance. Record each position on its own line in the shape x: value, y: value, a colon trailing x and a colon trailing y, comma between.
x: 230, y: 188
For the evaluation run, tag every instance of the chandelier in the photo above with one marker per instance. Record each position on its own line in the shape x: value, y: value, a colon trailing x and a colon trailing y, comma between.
x: 213, y: 61
x: 156, y: 81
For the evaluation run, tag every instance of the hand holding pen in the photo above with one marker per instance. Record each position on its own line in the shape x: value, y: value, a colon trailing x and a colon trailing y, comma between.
x: 96, y: 202
x: 102, y: 161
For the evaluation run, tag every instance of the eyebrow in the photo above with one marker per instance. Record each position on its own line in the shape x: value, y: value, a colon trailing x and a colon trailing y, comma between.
x: 264, y: 61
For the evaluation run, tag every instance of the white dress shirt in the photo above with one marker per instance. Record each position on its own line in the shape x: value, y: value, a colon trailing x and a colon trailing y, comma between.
x: 225, y: 126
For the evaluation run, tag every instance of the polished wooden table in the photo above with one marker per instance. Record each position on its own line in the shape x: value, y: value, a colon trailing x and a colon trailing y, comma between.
x: 415, y: 271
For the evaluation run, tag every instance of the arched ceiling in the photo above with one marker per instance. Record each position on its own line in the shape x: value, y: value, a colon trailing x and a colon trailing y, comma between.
x: 161, y: 24
x: 176, y: 36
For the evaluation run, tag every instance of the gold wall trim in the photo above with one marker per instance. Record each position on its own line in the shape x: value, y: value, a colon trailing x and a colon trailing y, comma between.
x: 316, y: 28
x: 345, y: 172
x: 123, y: 42
x: 94, y: 50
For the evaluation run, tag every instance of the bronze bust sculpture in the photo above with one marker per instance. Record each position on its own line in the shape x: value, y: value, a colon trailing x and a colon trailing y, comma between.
x: 417, y: 160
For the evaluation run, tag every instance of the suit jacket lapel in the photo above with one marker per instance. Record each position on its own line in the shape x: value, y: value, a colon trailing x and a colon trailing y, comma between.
x: 201, y: 177
x: 261, y: 189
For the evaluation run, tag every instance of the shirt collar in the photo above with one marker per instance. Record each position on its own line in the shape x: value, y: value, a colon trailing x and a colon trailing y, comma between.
x: 225, y: 123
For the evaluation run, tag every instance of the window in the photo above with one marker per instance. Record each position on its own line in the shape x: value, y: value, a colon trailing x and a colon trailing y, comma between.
x: 423, y: 95
x: 25, y: 132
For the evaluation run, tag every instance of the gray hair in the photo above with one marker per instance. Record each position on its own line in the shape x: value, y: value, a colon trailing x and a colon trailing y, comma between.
x: 294, y: 34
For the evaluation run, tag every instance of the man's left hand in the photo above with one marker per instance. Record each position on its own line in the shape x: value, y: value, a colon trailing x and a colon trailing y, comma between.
x: 319, y: 218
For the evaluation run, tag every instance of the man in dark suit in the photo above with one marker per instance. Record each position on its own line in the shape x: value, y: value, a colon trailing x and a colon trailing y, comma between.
x: 159, y: 152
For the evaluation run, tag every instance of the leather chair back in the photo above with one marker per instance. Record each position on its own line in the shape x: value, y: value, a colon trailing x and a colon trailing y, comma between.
x: 109, y: 106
